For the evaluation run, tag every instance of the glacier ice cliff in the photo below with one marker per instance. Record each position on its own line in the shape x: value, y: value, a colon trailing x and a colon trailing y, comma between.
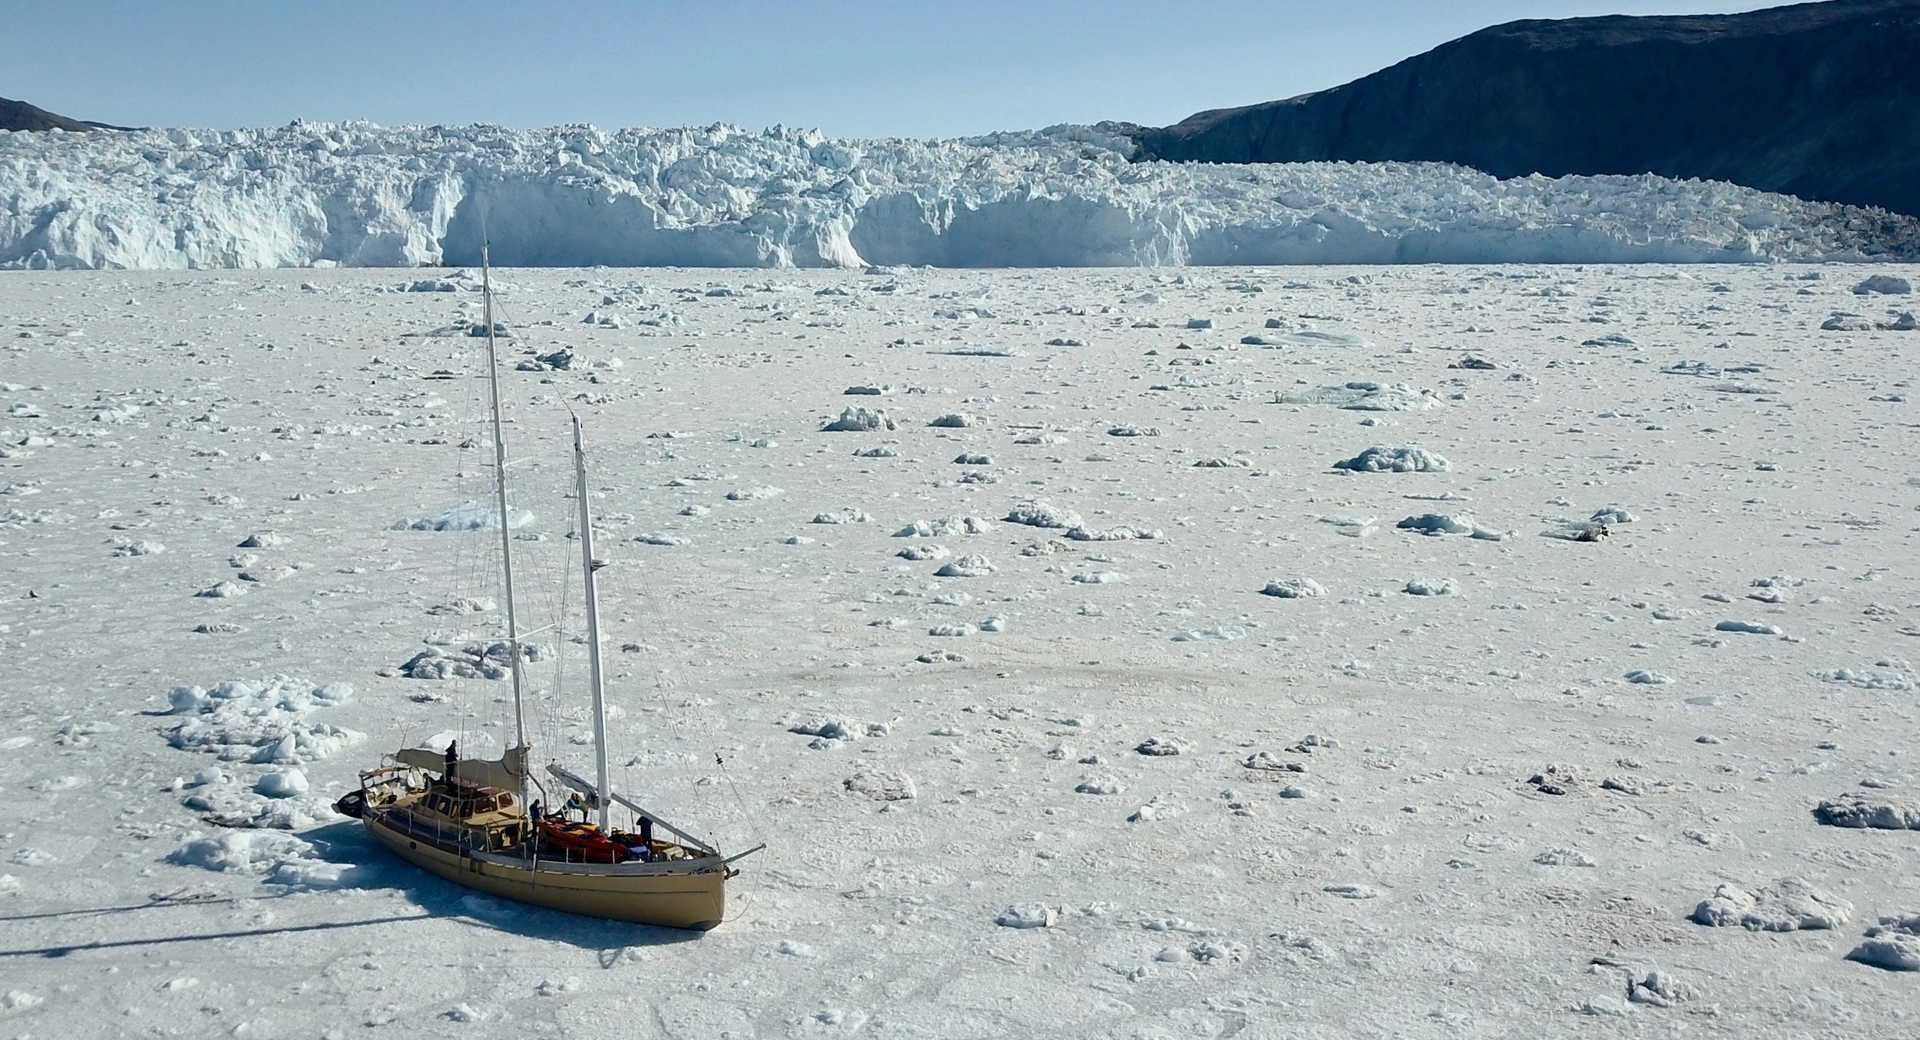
x: 363, y: 195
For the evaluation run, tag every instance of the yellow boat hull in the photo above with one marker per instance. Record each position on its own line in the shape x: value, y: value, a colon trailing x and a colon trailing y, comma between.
x: 673, y: 894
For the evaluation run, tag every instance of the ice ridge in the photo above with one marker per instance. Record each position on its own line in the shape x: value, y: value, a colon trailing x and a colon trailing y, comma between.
x: 358, y: 194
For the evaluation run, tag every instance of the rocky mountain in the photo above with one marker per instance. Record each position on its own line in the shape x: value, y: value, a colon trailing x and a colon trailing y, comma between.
x: 18, y: 115
x: 1817, y: 100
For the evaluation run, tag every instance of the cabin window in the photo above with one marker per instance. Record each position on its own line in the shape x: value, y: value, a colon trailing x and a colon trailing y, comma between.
x: 506, y: 801
x: 481, y: 805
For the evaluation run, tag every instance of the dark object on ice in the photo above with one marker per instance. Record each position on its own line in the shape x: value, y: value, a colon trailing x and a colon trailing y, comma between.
x: 1555, y: 779
x: 1815, y: 100
x: 1591, y: 533
x: 1474, y: 362
x: 479, y: 328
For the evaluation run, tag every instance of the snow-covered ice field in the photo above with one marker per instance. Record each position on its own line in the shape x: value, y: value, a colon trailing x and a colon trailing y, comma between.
x: 1221, y: 724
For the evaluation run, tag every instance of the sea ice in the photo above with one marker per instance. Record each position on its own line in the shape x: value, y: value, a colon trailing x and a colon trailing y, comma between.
x: 971, y: 565
x: 1028, y: 915
x: 1365, y: 397
x: 1042, y: 514
x: 466, y: 518
x: 1855, y: 809
x: 1294, y: 588
x: 1788, y: 905
x: 264, y: 722
x: 1893, y: 944
x: 859, y: 419
x: 1888, y: 284
x: 1394, y: 459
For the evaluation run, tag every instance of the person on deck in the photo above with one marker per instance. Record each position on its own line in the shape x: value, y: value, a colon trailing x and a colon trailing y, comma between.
x: 453, y: 761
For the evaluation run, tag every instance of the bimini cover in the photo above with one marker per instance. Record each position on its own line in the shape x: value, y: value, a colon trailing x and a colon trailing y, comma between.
x: 509, y: 772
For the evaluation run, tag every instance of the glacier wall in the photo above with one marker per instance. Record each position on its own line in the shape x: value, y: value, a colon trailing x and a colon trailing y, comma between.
x: 363, y: 195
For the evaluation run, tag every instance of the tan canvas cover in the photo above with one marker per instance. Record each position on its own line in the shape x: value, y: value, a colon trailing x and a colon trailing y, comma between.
x: 507, y: 772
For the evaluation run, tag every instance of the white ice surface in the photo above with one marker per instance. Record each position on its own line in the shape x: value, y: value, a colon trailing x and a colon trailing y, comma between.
x: 1346, y: 844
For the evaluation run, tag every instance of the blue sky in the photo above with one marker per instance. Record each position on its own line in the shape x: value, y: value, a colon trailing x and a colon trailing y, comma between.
x: 851, y: 69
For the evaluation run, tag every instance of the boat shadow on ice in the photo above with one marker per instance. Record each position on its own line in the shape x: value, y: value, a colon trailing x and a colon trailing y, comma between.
x: 171, y: 936
x: 333, y: 858
x: 361, y: 863
x: 341, y: 857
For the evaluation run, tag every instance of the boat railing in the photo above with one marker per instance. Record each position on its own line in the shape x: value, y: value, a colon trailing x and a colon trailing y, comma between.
x: 445, y: 834
x: 439, y: 833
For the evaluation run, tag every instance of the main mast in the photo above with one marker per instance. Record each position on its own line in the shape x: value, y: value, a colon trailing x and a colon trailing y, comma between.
x: 500, y: 489
x: 593, y: 627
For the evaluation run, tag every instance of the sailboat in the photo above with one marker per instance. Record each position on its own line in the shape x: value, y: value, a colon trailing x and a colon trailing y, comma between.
x: 469, y: 820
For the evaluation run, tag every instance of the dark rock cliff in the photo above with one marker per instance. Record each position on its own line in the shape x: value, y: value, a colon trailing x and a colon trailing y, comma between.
x: 18, y: 115
x: 1816, y: 100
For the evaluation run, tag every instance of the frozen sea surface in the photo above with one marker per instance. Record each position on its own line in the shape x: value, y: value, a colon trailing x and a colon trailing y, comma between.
x: 1092, y: 781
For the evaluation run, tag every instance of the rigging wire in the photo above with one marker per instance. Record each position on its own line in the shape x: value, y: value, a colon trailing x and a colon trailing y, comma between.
x: 552, y: 721
x: 739, y: 803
